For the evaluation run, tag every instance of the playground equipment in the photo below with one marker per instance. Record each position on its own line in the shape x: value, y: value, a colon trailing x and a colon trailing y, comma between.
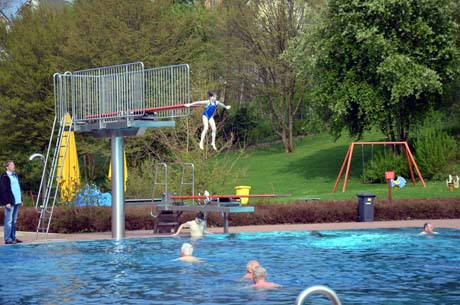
x: 347, y: 161
x: 452, y: 182
x: 399, y: 182
x: 115, y: 101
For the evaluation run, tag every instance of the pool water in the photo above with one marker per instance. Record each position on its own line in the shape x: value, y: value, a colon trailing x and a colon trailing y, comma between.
x: 384, y: 266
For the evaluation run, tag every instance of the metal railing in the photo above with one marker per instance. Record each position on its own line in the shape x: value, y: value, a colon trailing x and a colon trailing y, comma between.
x: 329, y: 293
x: 122, y: 92
x: 167, y: 86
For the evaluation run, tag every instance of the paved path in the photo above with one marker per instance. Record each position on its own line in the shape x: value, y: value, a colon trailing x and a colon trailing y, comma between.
x: 29, y: 237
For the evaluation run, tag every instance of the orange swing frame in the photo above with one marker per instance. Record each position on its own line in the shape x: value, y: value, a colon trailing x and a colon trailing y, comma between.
x: 347, y: 162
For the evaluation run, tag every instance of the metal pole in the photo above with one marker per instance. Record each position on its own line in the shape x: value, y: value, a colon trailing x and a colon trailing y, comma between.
x: 389, y: 191
x: 43, y: 183
x: 225, y: 222
x: 118, y: 201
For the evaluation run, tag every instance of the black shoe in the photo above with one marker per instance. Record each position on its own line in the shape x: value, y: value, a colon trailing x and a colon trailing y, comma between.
x: 18, y: 241
x: 10, y: 242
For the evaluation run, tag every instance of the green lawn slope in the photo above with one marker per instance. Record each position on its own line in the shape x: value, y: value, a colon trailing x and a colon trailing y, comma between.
x: 312, y: 169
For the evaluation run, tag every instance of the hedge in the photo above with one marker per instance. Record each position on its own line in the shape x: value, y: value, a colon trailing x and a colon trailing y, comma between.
x: 98, y: 219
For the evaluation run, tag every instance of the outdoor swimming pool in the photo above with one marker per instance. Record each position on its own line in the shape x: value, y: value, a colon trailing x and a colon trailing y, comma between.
x: 385, y: 266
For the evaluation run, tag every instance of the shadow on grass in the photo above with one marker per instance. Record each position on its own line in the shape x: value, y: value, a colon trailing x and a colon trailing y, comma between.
x: 326, y: 163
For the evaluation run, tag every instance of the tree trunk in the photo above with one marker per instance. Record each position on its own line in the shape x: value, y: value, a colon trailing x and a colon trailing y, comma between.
x: 284, y: 138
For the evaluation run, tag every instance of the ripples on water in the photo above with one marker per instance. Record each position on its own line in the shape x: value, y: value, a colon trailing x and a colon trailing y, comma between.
x: 391, y: 266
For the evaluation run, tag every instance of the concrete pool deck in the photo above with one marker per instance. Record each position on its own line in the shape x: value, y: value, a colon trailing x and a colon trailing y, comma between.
x: 29, y: 237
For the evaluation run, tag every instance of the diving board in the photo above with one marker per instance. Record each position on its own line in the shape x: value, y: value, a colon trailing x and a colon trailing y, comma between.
x: 226, y: 208
x: 229, y: 196
x: 151, y: 110
x: 207, y: 208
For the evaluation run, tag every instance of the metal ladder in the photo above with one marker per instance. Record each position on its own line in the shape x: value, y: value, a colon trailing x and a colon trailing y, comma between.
x: 50, y: 182
x: 329, y: 293
x: 164, y: 221
x: 190, y: 184
x: 164, y: 195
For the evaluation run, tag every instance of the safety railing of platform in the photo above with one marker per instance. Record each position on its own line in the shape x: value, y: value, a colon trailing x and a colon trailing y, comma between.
x: 123, y: 91
x: 105, y: 93
x: 167, y: 89
x: 108, y: 93
x: 62, y: 95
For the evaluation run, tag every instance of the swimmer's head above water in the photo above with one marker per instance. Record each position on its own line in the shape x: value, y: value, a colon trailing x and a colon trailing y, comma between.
x: 199, y: 217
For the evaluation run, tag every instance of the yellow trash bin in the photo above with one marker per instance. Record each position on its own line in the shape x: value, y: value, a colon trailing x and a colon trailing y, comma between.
x: 243, y: 190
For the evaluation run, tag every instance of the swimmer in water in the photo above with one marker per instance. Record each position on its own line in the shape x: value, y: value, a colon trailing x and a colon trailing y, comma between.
x: 186, y: 252
x: 259, y: 277
x: 197, y: 227
x: 428, y: 229
x: 250, y: 269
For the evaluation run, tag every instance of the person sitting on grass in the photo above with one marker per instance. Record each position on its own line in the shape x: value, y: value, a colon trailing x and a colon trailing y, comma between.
x: 428, y: 229
x: 186, y: 252
x: 259, y: 277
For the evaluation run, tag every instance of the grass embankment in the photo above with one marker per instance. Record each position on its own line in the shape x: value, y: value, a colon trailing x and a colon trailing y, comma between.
x: 311, y: 171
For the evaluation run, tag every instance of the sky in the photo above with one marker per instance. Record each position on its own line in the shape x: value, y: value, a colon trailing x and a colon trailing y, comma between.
x: 10, y: 7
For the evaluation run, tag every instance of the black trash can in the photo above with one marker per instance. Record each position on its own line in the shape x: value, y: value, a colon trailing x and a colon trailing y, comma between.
x: 366, y: 206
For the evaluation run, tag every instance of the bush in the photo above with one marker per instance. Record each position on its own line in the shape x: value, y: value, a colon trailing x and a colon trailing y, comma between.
x: 240, y: 123
x: 382, y: 162
x: 434, y: 149
x: 98, y: 219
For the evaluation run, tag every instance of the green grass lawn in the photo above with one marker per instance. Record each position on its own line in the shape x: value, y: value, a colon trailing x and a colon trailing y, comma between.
x: 312, y: 169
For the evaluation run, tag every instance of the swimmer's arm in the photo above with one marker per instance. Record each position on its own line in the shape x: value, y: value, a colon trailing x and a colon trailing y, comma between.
x: 180, y: 228
x: 205, y: 102
x: 207, y: 232
x: 223, y: 105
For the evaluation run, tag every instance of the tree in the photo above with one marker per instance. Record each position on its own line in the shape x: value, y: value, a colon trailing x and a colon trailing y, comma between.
x: 85, y: 34
x: 29, y: 57
x: 383, y: 63
x: 158, y: 33
x: 257, y: 33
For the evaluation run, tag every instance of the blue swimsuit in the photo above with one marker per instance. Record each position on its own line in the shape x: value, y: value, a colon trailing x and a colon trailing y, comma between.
x: 210, y: 109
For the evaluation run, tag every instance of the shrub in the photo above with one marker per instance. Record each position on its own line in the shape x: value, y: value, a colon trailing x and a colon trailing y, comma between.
x: 434, y: 149
x: 98, y: 219
x: 240, y: 123
x: 382, y: 162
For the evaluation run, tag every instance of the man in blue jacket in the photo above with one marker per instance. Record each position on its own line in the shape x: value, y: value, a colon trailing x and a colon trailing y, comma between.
x: 10, y: 197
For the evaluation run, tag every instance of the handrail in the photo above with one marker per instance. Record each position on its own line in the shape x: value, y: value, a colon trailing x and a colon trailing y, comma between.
x: 321, y: 290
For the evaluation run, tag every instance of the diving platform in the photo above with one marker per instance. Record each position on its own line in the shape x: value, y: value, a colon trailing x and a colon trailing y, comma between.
x: 112, y: 102
x: 224, y: 207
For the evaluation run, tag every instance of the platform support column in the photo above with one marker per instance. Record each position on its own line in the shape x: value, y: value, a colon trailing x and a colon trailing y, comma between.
x: 118, y: 200
x: 226, y: 222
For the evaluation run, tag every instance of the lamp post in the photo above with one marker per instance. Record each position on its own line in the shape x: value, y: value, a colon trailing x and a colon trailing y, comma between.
x: 43, y: 183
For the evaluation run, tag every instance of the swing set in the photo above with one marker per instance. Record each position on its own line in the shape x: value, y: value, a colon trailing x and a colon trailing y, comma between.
x: 347, y: 161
